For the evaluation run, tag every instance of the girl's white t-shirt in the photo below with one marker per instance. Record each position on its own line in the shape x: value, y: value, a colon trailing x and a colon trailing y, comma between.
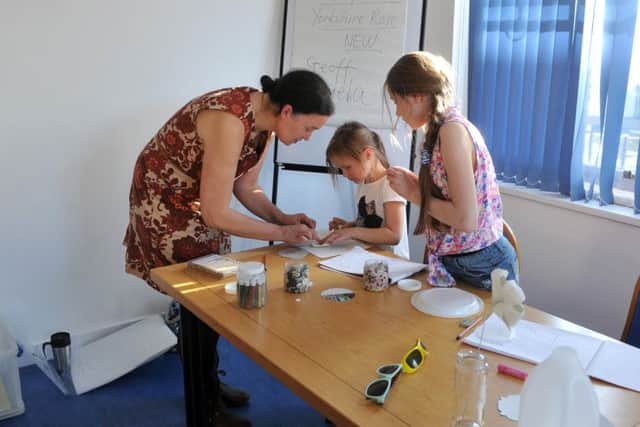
x: 370, y: 200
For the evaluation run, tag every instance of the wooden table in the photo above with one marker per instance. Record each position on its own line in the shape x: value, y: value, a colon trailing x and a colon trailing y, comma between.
x: 327, y: 352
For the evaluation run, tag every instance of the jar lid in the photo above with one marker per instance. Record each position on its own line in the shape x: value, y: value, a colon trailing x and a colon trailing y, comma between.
x: 250, y: 268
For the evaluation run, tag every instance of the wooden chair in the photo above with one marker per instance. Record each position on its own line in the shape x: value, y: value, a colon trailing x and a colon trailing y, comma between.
x: 511, y: 237
x: 631, y: 334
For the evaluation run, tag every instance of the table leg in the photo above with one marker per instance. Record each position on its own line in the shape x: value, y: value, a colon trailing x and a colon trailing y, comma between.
x: 195, y: 367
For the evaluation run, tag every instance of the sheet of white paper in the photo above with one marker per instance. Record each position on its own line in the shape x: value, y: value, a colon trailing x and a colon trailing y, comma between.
x: 353, y: 261
x: 114, y: 355
x: 509, y: 406
x: 610, y: 361
x: 617, y: 363
x: 534, y: 342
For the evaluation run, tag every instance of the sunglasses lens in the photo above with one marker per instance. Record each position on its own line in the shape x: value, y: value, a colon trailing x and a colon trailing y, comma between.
x: 377, y: 388
x: 388, y: 369
x: 414, y: 359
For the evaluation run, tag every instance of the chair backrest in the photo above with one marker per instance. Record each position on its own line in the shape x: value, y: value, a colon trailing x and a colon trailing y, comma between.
x: 511, y: 237
x: 631, y: 334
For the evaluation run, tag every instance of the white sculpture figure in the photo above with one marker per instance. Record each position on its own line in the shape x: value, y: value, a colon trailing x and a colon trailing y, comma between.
x: 558, y: 393
x: 507, y: 302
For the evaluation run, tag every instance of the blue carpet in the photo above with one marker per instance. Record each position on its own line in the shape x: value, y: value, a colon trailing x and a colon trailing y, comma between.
x: 153, y: 396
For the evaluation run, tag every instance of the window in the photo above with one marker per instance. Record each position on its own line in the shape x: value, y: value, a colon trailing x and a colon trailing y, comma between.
x: 627, y: 157
x: 554, y: 87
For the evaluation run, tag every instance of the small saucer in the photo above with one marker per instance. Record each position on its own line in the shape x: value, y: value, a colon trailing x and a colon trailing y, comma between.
x: 409, y: 284
x: 230, y: 288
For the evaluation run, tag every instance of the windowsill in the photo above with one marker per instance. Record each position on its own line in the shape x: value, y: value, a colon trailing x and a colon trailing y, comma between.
x: 611, y: 212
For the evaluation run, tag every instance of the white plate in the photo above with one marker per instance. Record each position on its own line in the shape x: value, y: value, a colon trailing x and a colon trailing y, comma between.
x: 293, y: 253
x: 447, y: 302
x: 409, y: 284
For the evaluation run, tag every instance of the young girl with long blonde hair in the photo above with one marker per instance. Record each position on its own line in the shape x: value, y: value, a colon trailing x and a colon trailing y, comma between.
x: 359, y: 153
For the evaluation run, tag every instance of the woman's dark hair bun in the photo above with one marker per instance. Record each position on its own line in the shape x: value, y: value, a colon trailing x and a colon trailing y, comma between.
x: 304, y: 90
x: 267, y: 83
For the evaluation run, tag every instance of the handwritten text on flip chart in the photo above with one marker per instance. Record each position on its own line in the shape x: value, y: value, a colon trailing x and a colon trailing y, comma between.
x: 351, y: 44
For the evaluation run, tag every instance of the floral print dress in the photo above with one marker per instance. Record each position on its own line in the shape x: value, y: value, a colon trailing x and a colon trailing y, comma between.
x: 165, y: 225
x: 452, y: 241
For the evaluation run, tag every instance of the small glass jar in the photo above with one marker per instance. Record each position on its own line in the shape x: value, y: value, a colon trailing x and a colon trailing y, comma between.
x: 252, y: 285
x: 470, y: 389
x: 375, y: 275
x: 296, y: 277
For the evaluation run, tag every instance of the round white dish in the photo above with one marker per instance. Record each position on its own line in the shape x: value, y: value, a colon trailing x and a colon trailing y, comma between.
x: 447, y: 302
x: 409, y: 285
x: 230, y: 288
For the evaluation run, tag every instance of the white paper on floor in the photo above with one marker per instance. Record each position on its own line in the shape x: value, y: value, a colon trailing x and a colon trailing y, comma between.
x: 116, y: 354
x: 5, y: 405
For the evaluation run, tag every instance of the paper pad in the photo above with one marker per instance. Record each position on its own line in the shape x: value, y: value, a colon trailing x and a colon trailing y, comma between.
x: 611, y: 361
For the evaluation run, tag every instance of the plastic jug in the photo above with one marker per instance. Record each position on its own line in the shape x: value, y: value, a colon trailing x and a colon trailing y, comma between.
x: 558, y: 393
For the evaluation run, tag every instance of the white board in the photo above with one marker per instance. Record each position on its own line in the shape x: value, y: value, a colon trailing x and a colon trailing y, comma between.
x: 351, y: 44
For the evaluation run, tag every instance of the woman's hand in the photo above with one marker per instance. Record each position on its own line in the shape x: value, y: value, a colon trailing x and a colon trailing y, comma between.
x: 405, y: 183
x: 297, y: 233
x: 298, y: 218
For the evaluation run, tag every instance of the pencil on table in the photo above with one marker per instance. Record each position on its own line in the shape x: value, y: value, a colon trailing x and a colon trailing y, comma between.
x: 468, y: 329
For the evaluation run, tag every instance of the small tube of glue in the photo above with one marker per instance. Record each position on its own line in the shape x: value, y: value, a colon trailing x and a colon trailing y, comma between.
x: 513, y: 372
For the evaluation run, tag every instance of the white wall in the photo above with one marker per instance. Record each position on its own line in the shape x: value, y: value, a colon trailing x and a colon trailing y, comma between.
x: 575, y: 265
x: 84, y: 86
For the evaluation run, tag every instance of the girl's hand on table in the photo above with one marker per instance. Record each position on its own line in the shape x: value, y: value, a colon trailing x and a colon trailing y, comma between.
x: 337, y: 235
x: 338, y: 223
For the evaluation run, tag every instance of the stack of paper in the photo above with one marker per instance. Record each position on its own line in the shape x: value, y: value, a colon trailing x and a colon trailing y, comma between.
x: 352, y: 262
x: 610, y: 361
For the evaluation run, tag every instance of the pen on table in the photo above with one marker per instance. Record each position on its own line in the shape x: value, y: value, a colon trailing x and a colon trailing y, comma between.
x: 513, y: 372
x: 264, y: 261
x: 468, y: 328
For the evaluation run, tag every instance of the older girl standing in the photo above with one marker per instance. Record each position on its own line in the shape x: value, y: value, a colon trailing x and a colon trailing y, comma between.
x: 459, y: 199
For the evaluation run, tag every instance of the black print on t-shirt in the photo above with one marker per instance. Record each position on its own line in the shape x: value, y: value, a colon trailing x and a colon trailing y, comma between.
x: 367, y: 214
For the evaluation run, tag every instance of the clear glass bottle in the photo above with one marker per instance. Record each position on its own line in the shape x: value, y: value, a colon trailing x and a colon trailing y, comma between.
x: 470, y: 394
x: 252, y: 285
